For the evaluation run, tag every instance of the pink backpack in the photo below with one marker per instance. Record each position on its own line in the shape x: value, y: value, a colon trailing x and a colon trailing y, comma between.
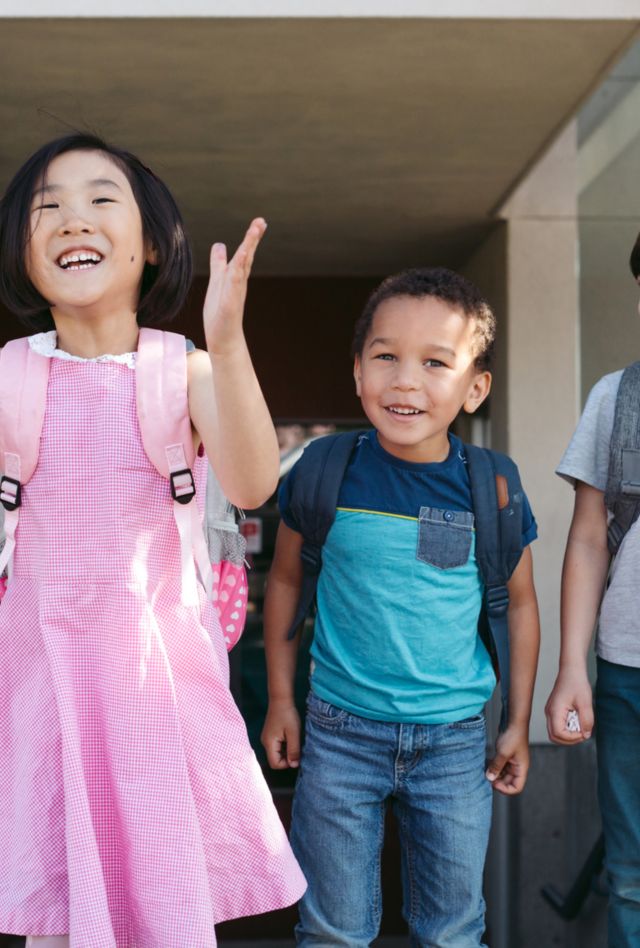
x: 214, y: 546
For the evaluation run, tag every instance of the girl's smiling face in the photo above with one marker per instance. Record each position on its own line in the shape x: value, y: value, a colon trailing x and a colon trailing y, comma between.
x: 416, y: 371
x: 86, y: 251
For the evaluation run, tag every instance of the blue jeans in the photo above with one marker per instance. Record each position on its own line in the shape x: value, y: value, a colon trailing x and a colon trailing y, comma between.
x: 618, y: 743
x: 434, y: 776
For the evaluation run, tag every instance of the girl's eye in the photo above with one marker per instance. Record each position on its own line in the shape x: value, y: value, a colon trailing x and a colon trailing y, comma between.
x: 103, y: 201
x: 45, y: 207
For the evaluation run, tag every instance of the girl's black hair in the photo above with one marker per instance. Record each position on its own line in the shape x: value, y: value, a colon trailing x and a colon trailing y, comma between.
x: 164, y: 284
x: 445, y: 285
x: 634, y: 259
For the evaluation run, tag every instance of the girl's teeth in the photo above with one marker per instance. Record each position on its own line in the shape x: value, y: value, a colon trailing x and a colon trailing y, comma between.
x: 83, y: 259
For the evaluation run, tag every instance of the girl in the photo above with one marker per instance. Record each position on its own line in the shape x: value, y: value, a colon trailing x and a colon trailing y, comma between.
x: 132, y: 811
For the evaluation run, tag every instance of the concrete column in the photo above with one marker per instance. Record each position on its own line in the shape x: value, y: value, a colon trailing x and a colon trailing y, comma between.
x: 542, y: 391
x: 528, y: 270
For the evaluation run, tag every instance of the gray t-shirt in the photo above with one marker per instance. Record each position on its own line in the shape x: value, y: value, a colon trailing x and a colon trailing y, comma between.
x: 587, y: 459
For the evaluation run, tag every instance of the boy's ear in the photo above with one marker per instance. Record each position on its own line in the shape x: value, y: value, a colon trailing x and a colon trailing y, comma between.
x: 478, y: 391
x: 357, y: 374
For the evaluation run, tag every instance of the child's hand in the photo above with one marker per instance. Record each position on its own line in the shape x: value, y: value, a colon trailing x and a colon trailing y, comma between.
x: 227, y: 290
x: 281, y: 736
x: 508, y: 770
x: 571, y: 692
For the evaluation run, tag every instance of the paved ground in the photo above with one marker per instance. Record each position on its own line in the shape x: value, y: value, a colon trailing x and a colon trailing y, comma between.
x: 6, y: 941
x: 379, y: 943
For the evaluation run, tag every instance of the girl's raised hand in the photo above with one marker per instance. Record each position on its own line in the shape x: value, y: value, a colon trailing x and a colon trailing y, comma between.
x: 227, y: 290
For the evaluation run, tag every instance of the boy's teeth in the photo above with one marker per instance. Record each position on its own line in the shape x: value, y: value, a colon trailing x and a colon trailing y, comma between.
x: 405, y: 411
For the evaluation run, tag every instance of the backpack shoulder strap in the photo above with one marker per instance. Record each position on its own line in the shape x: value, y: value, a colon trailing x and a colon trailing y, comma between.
x: 314, y: 496
x: 162, y: 401
x: 497, y: 503
x: 24, y: 377
x: 622, y: 494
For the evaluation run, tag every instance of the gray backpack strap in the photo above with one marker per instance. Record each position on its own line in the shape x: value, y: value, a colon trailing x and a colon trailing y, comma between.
x: 622, y: 495
x: 224, y: 540
x: 221, y: 530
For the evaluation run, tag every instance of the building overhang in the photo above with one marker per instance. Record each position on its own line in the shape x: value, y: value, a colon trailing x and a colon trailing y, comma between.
x: 369, y: 144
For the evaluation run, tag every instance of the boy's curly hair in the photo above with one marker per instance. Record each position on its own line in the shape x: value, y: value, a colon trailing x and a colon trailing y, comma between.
x: 445, y: 285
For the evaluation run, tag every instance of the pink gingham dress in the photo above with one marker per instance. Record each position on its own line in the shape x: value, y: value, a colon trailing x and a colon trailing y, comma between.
x: 133, y: 813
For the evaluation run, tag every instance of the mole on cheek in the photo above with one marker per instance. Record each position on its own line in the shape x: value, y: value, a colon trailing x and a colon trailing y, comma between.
x: 132, y: 259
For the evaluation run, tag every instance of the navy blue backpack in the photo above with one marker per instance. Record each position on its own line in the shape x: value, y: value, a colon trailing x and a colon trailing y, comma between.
x: 497, y: 505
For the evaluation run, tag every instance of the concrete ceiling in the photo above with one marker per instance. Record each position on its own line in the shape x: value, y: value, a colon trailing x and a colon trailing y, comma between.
x: 368, y: 144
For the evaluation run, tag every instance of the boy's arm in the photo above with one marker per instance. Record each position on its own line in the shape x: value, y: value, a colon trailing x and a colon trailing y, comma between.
x: 508, y: 769
x: 281, y: 732
x: 586, y: 563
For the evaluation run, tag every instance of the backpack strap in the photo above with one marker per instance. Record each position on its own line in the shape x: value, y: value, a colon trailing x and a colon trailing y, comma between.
x: 622, y: 494
x: 497, y: 504
x: 165, y: 426
x: 314, y: 497
x: 24, y: 377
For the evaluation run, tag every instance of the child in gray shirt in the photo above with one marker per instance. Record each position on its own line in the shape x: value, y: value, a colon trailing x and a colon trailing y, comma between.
x: 570, y: 713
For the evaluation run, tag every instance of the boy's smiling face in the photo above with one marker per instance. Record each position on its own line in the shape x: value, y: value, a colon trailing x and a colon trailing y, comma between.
x: 416, y: 371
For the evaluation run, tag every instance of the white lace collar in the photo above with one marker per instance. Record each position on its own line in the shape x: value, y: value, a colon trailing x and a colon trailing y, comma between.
x: 45, y: 343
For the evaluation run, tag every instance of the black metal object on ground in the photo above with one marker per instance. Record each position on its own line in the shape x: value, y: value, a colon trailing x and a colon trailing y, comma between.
x: 569, y: 905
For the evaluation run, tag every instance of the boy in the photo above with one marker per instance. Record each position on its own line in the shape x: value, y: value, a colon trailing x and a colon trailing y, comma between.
x: 400, y: 676
x: 617, y: 697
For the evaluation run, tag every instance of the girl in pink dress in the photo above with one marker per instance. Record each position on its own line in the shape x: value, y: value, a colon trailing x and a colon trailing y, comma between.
x: 133, y: 813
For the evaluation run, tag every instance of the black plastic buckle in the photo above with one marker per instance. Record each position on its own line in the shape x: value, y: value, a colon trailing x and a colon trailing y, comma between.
x: 311, y: 558
x: 630, y: 483
x: 186, y: 493
x: 615, y: 535
x: 14, y: 491
x: 497, y: 600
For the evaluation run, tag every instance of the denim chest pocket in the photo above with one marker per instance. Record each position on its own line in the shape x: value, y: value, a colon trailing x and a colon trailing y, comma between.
x: 444, y: 537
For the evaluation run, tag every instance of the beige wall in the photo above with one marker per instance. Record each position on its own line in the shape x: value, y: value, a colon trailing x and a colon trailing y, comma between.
x: 609, y: 210
x: 528, y: 269
x: 501, y: 9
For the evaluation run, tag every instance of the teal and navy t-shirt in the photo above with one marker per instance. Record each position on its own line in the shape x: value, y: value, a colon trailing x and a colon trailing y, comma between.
x: 399, y: 594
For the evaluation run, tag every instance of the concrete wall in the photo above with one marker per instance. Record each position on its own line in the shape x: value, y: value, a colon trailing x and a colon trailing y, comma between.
x: 609, y: 223
x: 528, y: 270
x: 499, y: 9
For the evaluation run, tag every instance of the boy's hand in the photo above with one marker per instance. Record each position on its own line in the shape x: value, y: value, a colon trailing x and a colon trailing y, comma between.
x: 227, y: 290
x: 571, y: 692
x: 281, y: 736
x: 508, y: 770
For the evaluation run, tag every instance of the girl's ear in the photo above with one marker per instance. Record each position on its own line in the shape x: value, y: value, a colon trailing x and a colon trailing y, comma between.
x: 357, y: 374
x: 478, y: 391
x: 151, y: 256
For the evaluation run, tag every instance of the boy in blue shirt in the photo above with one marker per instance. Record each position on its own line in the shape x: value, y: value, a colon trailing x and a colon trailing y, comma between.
x: 400, y: 676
